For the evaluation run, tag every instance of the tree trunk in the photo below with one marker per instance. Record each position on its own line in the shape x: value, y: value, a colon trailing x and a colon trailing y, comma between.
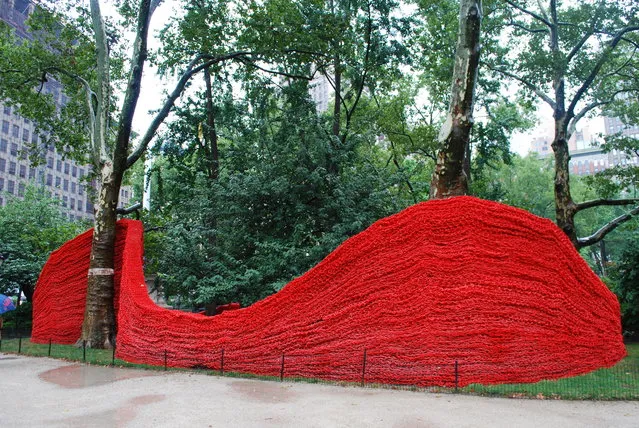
x: 212, y: 156
x: 99, y: 327
x: 211, y: 135
x: 449, y: 178
x: 28, y: 290
x: 565, y: 208
x: 333, y: 166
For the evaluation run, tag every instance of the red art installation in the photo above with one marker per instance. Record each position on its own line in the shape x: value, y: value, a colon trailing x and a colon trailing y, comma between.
x: 496, y: 289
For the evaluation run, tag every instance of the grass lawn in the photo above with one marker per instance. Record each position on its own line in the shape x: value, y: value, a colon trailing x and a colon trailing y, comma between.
x: 620, y: 382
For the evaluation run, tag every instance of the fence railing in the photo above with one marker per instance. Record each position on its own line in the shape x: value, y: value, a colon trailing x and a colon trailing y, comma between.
x: 620, y: 382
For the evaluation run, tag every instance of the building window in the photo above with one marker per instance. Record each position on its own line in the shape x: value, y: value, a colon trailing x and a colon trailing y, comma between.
x: 80, y: 190
x: 74, y: 171
x: 81, y: 173
x: 10, y: 186
x: 34, y: 138
x: 12, y: 168
x: 58, y: 165
x: 72, y: 187
x: 89, y: 207
x: 32, y: 173
x: 14, y: 149
x: 16, y: 131
x: 1, y: 184
x: 66, y: 167
x: 5, y: 126
x: 65, y: 185
x: 72, y: 204
x: 49, y: 179
x: 58, y: 180
x: 50, y: 163
x: 3, y: 145
x: 25, y: 135
x: 7, y: 110
x: 3, y: 165
x: 23, y: 171
x: 64, y: 201
x: 21, y: 189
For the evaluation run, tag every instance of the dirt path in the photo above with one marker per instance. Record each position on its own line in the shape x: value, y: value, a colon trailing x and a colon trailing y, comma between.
x: 46, y: 392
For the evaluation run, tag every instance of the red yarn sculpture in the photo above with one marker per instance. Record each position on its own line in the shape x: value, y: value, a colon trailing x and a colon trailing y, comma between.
x: 495, y: 288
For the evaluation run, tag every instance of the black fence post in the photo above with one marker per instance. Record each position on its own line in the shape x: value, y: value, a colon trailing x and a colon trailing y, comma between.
x: 164, y: 359
x: 49, y: 353
x: 456, y: 375
x: 282, y: 369
x: 84, y: 351
x: 113, y: 356
x: 222, y: 362
x: 19, y: 344
x: 364, y: 367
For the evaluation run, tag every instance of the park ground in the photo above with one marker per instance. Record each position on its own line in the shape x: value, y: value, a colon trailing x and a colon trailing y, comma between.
x: 54, y: 393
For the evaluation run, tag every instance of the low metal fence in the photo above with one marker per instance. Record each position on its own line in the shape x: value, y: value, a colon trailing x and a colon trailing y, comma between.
x: 620, y: 382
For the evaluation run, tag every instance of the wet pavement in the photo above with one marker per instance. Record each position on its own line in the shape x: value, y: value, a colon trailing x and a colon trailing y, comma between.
x: 42, y: 392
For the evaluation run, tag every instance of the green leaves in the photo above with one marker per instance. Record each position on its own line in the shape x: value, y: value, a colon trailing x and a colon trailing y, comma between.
x: 29, y: 230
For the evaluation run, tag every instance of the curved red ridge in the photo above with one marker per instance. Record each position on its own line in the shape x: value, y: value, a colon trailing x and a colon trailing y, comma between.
x: 497, y: 289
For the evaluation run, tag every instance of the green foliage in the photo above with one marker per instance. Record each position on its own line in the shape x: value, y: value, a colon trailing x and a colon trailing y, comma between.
x: 30, y: 229
x: 622, y: 178
x: 276, y: 209
x: 625, y: 283
x: 525, y: 183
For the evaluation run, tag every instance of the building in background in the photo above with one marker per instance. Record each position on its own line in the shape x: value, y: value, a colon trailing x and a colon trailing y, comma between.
x: 320, y: 90
x: 62, y: 178
x: 586, y: 156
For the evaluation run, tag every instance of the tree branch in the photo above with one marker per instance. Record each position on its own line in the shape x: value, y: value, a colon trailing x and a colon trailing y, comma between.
x: 597, y: 68
x: 90, y: 96
x: 601, y: 233
x: 527, y: 83
x: 129, y: 210
x: 279, y: 73
x: 523, y: 27
x: 575, y: 49
x: 604, y: 202
x: 191, y: 69
x: 104, y: 84
x: 576, y: 118
x: 531, y: 13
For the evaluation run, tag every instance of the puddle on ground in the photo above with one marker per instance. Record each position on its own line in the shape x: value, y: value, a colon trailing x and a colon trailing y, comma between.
x: 118, y: 417
x: 266, y: 392
x: 82, y: 376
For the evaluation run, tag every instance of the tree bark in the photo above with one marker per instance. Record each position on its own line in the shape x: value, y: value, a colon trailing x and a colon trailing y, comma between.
x: 210, y: 136
x: 565, y: 207
x: 212, y: 156
x: 99, y: 327
x: 449, y: 178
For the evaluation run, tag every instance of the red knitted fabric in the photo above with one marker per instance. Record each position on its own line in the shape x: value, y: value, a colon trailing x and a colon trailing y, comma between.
x: 493, y: 287
x: 60, y: 293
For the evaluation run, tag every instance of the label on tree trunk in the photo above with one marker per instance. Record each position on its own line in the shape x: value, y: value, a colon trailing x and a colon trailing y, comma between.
x: 101, y: 272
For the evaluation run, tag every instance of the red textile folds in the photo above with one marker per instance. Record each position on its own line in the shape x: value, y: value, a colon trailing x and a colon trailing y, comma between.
x: 60, y: 293
x: 495, y: 288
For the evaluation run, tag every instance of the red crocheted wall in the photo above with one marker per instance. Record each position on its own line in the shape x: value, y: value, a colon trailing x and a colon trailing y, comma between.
x: 495, y: 288
x: 60, y: 294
